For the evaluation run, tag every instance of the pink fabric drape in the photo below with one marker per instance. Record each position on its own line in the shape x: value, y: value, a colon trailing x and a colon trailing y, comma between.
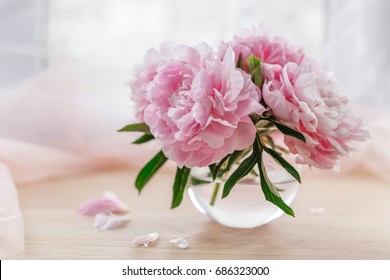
x: 59, y: 123
x: 11, y: 220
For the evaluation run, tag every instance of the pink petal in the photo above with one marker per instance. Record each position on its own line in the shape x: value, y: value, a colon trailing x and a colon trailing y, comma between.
x: 180, y: 242
x: 110, y: 221
x: 112, y: 196
x: 247, y: 131
x: 101, y: 205
x: 108, y: 204
x: 145, y: 239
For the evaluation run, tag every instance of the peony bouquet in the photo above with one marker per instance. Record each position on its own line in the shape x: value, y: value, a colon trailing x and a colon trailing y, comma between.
x: 226, y: 107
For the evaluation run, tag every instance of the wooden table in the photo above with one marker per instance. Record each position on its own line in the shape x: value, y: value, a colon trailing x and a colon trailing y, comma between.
x: 355, y: 224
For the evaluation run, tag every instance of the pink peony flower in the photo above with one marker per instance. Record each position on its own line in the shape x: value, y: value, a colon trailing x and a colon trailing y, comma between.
x: 145, y: 73
x: 312, y: 103
x: 270, y: 49
x: 200, y: 105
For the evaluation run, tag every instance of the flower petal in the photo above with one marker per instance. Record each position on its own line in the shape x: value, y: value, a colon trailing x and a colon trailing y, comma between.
x: 101, y: 205
x: 110, y: 221
x: 180, y: 242
x: 145, y: 239
x: 108, y: 204
x: 197, y: 103
x: 112, y: 196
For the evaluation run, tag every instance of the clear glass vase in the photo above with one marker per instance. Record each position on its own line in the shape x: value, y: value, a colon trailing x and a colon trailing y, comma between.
x: 245, y: 207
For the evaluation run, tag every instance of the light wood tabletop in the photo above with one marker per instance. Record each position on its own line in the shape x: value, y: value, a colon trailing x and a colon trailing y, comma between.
x: 355, y: 223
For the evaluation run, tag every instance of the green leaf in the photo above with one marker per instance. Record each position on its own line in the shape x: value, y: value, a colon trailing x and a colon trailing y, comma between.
x: 239, y: 62
x: 179, y: 185
x: 288, y: 130
x: 225, y: 164
x: 252, y: 62
x: 144, y: 138
x: 212, y: 168
x: 242, y: 170
x: 270, y: 191
x: 196, y: 181
x: 234, y: 157
x: 218, y: 167
x: 149, y: 170
x: 254, y: 68
x: 279, y: 159
x: 141, y: 127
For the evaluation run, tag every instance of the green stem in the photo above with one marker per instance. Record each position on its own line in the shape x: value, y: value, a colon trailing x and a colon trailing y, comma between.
x: 215, y: 193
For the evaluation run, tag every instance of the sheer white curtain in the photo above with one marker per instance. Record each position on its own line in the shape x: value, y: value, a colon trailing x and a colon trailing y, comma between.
x: 358, y: 48
x: 351, y: 37
x: 120, y: 31
x: 22, y: 39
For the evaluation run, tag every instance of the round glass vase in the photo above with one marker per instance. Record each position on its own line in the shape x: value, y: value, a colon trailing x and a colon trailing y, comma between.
x: 245, y: 206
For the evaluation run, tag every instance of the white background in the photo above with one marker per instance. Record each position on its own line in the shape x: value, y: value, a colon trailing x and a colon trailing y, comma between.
x: 102, y: 270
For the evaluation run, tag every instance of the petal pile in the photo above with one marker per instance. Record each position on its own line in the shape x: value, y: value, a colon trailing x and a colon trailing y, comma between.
x: 106, y: 210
